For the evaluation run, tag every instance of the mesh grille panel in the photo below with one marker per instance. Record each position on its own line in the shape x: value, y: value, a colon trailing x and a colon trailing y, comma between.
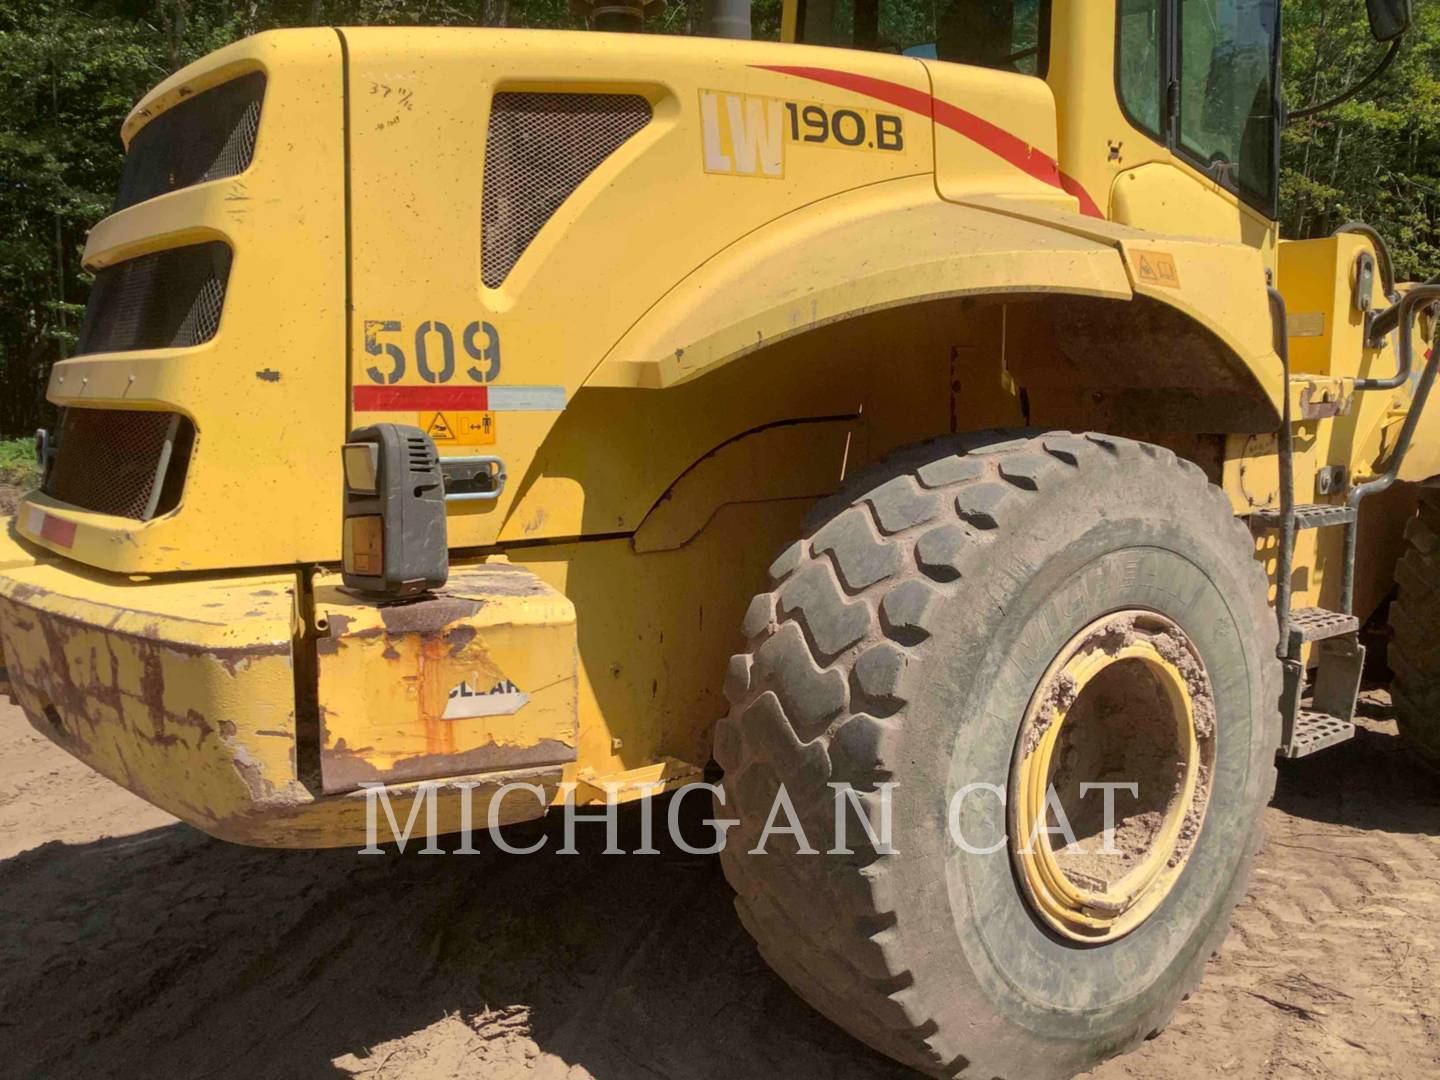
x: 110, y: 460
x: 167, y: 299
x: 206, y: 137
x: 538, y: 150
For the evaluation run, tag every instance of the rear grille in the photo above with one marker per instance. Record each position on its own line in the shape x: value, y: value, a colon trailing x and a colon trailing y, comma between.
x: 539, y: 149
x: 206, y: 137
x: 163, y: 300
x: 120, y: 461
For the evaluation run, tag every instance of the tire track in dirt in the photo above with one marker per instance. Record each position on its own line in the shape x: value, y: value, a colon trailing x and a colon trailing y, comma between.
x: 132, y: 945
x: 1334, y: 960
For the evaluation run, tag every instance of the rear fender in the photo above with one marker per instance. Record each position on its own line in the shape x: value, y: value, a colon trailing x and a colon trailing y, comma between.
x: 1192, y: 314
x: 877, y: 247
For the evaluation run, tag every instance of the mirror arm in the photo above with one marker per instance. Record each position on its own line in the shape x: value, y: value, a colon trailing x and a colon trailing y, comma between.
x: 1384, y: 66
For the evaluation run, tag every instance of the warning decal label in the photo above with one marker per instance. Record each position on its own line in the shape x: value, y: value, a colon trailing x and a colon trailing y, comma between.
x: 456, y: 428
x: 1156, y: 268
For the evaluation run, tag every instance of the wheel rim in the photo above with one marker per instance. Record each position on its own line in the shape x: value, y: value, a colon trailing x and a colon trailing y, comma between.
x: 1126, y: 701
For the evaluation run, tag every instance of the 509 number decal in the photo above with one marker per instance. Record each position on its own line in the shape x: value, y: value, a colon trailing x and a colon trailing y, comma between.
x: 433, y: 346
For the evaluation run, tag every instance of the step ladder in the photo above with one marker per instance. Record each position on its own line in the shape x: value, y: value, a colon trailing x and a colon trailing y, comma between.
x: 1329, y: 718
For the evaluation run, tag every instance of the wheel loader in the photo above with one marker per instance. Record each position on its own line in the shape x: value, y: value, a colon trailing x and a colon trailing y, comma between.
x: 923, y: 406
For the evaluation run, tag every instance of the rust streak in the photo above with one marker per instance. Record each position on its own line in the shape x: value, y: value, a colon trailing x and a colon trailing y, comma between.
x: 345, y: 769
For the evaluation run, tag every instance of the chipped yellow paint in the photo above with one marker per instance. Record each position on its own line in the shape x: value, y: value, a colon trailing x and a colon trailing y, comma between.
x: 631, y: 784
x: 262, y: 444
x: 479, y: 677
x: 725, y: 354
x: 181, y: 691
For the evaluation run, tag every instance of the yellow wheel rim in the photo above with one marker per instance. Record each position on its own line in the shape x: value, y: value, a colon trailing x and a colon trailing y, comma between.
x: 1126, y: 701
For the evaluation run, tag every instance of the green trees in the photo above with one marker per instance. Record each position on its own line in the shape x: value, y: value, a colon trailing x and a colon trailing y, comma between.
x: 67, y: 77
x: 71, y: 69
x: 69, y: 72
x: 1377, y: 157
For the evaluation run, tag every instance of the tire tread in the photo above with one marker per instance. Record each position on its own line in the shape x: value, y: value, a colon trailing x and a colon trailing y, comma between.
x: 931, y: 504
x: 1414, y: 651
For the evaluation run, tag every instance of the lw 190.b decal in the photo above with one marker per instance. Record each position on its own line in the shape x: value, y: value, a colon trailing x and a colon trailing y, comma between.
x: 855, y: 128
x: 747, y: 135
x: 434, y: 351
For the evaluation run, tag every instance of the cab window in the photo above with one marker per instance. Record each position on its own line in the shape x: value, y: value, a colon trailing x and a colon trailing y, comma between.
x: 1009, y: 35
x: 1138, y: 53
x: 1221, y: 112
x: 1227, y: 97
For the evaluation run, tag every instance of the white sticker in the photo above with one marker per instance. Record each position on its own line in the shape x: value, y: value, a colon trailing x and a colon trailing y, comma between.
x: 525, y: 398
x: 502, y: 699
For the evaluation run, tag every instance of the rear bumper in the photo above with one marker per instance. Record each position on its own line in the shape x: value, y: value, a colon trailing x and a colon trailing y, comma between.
x: 184, y: 692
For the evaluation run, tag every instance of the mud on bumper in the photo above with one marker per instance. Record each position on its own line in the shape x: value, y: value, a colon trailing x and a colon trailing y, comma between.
x: 185, y: 692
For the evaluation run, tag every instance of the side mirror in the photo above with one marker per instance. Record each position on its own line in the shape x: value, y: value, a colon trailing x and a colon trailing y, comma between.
x: 1388, y: 18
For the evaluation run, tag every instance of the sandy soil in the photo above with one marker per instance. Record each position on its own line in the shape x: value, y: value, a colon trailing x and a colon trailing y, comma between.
x: 10, y: 497
x: 135, y: 945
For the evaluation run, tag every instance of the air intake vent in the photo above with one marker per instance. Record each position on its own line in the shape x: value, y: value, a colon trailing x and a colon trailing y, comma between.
x: 206, y: 137
x: 120, y: 461
x: 169, y: 299
x: 539, y: 149
x: 422, y: 459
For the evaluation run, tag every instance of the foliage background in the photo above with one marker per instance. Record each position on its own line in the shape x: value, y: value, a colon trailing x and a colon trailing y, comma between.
x: 71, y: 69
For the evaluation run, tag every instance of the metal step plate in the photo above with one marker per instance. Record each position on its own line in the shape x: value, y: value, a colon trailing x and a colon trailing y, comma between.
x: 1315, y: 731
x: 1307, y: 516
x: 1318, y: 624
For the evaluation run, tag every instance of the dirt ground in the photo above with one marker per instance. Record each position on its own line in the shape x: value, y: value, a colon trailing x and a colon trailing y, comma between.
x: 134, y: 945
x: 10, y: 497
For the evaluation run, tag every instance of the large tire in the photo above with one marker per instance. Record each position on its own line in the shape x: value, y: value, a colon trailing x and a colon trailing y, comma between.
x: 1415, y: 618
x: 902, y: 641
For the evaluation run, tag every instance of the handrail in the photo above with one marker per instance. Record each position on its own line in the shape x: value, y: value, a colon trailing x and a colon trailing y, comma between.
x: 1285, y: 556
x: 1383, y: 322
x: 1382, y: 254
x: 1407, y: 306
x: 491, y: 467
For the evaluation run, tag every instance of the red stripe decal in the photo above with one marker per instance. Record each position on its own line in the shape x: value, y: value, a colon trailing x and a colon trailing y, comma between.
x: 1074, y: 187
x: 58, y: 531
x: 996, y: 139
x: 880, y: 89
x: 414, y: 398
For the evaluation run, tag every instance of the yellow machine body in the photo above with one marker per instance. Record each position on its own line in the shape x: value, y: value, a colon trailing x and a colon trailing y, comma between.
x: 719, y: 320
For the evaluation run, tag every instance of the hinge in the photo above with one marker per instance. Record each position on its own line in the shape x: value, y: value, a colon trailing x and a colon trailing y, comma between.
x: 1319, y: 397
x: 1364, y: 281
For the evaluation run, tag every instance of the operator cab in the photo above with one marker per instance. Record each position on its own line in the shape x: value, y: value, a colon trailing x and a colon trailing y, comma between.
x: 999, y: 34
x: 1143, y: 88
